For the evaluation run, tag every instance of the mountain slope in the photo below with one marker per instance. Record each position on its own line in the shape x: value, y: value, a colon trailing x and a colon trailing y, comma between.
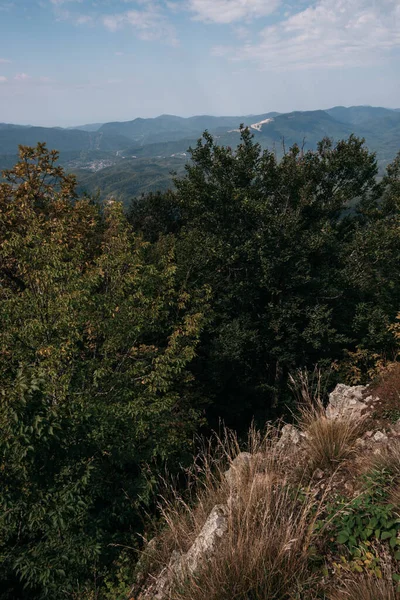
x: 170, y: 127
x: 63, y: 140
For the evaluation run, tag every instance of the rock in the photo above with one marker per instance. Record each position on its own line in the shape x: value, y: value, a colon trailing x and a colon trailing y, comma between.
x: 201, y: 550
x: 290, y: 436
x: 380, y: 437
x: 159, y: 589
x: 239, y: 469
x: 346, y: 401
x: 206, y: 542
x: 318, y: 474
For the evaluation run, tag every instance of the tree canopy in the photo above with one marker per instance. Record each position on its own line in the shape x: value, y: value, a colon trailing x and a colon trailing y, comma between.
x: 123, y: 335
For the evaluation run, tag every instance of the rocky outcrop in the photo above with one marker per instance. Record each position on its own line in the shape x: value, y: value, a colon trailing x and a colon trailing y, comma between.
x: 348, y: 401
x: 344, y: 401
x: 182, y: 564
x: 291, y: 437
x: 239, y: 469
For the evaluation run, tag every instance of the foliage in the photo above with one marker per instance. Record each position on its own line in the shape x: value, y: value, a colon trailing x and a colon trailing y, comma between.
x: 364, y: 529
x: 95, y: 394
x: 122, y: 336
x: 301, y: 255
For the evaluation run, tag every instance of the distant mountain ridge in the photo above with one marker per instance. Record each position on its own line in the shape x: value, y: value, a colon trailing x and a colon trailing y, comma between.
x: 131, y: 157
x: 270, y: 127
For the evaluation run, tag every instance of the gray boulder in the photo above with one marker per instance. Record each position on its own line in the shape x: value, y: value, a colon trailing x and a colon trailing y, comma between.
x: 347, y: 401
x: 201, y: 550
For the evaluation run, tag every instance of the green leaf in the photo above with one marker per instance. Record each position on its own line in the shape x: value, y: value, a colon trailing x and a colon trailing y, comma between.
x: 342, y: 537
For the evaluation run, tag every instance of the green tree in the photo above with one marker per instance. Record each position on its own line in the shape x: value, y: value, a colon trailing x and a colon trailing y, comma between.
x: 96, y: 395
x: 276, y: 242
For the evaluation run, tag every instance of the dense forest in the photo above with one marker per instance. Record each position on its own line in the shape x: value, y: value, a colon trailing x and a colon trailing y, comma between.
x: 126, y: 334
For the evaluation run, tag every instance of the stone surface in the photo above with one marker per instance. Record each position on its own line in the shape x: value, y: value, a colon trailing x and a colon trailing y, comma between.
x: 207, y: 540
x: 380, y: 436
x: 239, y: 469
x: 346, y: 401
x: 290, y: 436
x: 202, y: 549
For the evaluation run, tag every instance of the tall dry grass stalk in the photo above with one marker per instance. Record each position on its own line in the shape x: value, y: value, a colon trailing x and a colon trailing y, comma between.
x: 265, y: 552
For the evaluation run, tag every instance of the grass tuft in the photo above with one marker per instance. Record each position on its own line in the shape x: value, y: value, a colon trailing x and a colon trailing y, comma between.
x: 265, y: 552
x: 367, y: 587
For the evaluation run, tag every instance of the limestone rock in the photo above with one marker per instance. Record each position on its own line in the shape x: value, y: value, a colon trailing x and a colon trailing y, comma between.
x: 290, y: 436
x: 202, y: 549
x: 239, y: 469
x: 206, y: 542
x: 346, y: 401
x: 380, y: 436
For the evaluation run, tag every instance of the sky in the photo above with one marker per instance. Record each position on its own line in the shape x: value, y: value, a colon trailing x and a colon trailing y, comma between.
x: 71, y: 62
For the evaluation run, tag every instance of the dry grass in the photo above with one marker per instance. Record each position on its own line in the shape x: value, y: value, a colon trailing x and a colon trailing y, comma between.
x: 329, y: 442
x: 388, y: 390
x: 388, y: 460
x: 394, y: 499
x: 367, y: 587
x: 264, y: 553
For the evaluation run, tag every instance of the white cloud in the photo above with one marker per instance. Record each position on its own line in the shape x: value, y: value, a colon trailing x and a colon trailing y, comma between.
x: 61, y: 2
x: 230, y: 11
x: 149, y: 24
x: 4, y: 61
x: 22, y: 77
x: 330, y: 33
x: 7, y: 6
x: 62, y: 13
x: 3, y: 79
x: 83, y: 20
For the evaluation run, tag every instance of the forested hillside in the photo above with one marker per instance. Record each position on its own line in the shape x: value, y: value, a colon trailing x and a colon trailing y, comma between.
x: 126, y: 159
x: 126, y: 334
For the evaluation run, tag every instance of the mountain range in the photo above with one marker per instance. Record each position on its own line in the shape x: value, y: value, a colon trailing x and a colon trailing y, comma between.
x: 131, y: 157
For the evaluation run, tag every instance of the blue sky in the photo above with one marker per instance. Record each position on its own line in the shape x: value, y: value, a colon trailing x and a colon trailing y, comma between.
x: 69, y: 62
